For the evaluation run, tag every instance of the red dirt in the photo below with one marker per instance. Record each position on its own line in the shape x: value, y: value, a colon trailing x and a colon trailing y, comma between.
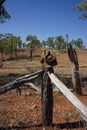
x: 25, y: 110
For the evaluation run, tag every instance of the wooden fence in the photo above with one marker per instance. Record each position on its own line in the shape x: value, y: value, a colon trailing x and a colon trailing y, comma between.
x: 49, y: 78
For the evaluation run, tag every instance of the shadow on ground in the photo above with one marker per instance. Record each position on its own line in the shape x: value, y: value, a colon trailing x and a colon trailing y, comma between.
x: 67, y: 125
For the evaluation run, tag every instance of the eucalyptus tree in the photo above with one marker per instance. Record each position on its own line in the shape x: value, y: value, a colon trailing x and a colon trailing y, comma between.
x: 3, y: 12
x: 24, y: 44
x: 2, y: 45
x: 50, y: 42
x: 43, y: 44
x: 77, y: 43
x: 17, y: 43
x: 12, y: 43
x: 60, y: 42
x: 32, y: 43
x: 82, y: 6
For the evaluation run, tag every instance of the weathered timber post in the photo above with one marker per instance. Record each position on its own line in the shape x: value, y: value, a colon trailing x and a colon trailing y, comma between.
x: 47, y: 98
x: 75, y: 69
x: 47, y: 59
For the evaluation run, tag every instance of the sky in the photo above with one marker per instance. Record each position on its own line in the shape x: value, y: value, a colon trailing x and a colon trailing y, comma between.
x: 44, y: 18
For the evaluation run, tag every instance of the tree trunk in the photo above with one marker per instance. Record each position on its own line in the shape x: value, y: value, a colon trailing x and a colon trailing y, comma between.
x: 30, y: 56
x: 75, y: 69
x: 11, y: 50
x: 16, y: 53
x: 2, y: 56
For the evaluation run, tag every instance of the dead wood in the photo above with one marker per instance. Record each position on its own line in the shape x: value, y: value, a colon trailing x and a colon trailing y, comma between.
x: 80, y: 107
x: 75, y: 69
x: 47, y: 99
x: 34, y: 87
x: 20, y: 81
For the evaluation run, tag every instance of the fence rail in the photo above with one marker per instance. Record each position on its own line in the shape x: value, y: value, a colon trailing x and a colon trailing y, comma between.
x: 80, y: 107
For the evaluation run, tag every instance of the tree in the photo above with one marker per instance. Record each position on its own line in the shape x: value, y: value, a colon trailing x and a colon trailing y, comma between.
x: 3, y: 12
x: 59, y: 42
x: 2, y: 45
x: 50, y: 42
x: 17, y: 43
x: 43, y: 44
x: 83, y: 7
x: 24, y: 44
x: 77, y: 43
x: 12, y: 43
x: 33, y: 43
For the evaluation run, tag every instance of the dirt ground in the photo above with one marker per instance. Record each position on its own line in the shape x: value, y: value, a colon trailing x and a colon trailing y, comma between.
x: 26, y: 110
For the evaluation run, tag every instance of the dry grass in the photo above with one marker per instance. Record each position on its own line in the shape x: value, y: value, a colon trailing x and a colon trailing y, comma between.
x: 26, y: 109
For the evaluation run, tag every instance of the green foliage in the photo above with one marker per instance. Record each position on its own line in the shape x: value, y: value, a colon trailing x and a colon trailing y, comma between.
x: 2, y: 43
x: 33, y: 42
x: 43, y: 44
x: 59, y: 42
x: 83, y: 7
x: 54, y: 42
x: 9, y: 43
x: 24, y: 44
x: 77, y: 43
x: 50, y: 42
x: 3, y: 13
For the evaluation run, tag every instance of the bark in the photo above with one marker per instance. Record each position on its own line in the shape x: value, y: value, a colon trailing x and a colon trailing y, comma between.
x: 34, y: 87
x: 75, y: 70
x: 2, y: 56
x: 20, y: 81
x: 47, y: 100
x: 30, y: 56
x: 16, y: 53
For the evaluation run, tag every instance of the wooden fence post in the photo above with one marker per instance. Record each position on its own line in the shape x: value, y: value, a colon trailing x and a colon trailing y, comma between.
x: 47, y: 98
x: 75, y: 69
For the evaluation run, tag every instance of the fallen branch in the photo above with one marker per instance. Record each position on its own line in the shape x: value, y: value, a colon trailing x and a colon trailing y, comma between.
x: 30, y: 75
x: 20, y: 81
x: 34, y: 87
